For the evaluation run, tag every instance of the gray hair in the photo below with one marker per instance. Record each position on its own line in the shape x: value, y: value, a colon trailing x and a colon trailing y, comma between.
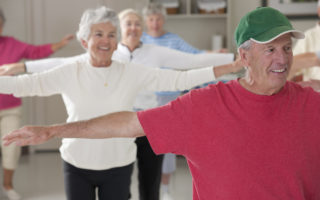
x: 153, y: 9
x: 96, y: 16
x: 246, y: 45
x: 127, y: 12
x: 2, y: 16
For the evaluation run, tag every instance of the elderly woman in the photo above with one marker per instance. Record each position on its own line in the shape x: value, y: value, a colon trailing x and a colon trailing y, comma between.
x: 13, y: 50
x: 94, y: 85
x: 154, y: 15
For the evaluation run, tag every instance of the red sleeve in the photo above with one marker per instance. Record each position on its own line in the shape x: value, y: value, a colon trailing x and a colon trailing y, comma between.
x: 37, y: 52
x: 169, y: 127
x: 30, y: 51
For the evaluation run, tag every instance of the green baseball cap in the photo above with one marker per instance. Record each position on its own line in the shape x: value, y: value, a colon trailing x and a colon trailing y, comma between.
x: 263, y: 25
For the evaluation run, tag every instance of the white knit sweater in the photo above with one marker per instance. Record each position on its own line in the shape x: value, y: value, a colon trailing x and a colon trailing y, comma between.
x: 89, y: 92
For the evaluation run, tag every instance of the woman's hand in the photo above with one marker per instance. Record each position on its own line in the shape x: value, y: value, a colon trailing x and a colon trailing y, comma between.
x: 237, y: 64
x: 314, y: 84
x: 65, y: 40
x: 12, y: 69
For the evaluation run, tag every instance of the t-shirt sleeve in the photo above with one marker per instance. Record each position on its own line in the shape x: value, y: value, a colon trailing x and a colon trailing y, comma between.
x: 169, y: 127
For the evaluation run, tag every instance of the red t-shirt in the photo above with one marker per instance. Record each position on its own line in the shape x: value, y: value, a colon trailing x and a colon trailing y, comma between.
x: 240, y: 145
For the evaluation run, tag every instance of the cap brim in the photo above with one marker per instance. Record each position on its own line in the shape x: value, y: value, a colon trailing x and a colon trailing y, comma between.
x: 273, y: 34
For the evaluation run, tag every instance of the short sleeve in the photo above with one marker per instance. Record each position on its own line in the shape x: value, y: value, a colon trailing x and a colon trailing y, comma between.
x: 169, y: 127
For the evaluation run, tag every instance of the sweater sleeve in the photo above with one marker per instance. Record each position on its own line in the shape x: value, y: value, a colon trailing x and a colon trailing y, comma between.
x: 174, y: 59
x: 49, y: 63
x: 47, y: 83
x: 154, y: 79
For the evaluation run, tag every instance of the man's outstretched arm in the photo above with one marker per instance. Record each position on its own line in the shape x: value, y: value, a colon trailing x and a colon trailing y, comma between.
x: 121, y: 124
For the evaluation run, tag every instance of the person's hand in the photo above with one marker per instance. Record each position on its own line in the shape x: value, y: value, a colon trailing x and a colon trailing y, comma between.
x: 302, y: 61
x: 29, y: 135
x: 237, y: 64
x: 314, y: 84
x: 223, y: 50
x: 65, y: 40
x: 12, y: 69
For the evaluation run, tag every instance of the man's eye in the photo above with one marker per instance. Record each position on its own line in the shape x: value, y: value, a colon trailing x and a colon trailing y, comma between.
x: 288, y: 48
x: 270, y: 50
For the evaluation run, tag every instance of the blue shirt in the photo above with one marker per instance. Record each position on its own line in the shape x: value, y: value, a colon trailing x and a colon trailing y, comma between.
x: 170, y: 40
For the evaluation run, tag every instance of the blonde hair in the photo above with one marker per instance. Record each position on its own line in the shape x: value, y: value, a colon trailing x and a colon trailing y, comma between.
x: 127, y: 12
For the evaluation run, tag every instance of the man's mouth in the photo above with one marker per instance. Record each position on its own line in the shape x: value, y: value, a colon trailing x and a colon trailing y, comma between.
x: 279, y: 70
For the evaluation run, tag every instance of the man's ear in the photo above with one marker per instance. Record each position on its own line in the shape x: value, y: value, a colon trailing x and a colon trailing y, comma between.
x: 84, y: 44
x: 244, y: 55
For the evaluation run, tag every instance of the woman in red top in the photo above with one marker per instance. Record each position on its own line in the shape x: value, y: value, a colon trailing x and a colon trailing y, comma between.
x: 11, y: 51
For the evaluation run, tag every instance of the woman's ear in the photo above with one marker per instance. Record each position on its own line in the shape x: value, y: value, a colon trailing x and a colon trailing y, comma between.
x: 84, y: 44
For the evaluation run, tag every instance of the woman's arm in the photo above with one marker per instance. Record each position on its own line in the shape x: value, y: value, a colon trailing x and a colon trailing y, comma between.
x: 64, y: 41
x: 303, y: 61
x: 42, y: 84
x: 49, y: 63
x: 156, y: 79
x: 37, y: 65
x: 12, y: 69
x: 173, y: 59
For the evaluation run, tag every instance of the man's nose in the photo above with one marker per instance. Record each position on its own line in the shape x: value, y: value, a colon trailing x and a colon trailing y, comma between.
x: 283, y: 56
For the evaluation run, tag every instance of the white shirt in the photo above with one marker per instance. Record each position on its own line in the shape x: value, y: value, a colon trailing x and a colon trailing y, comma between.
x: 89, y: 92
x: 156, y: 56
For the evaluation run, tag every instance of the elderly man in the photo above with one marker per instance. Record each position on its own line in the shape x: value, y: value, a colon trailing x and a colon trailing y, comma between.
x: 253, y: 138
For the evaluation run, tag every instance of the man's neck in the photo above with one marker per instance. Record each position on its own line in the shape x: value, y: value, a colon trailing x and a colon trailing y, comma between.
x: 252, y: 87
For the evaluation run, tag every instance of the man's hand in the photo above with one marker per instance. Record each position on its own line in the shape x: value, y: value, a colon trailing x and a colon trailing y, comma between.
x: 29, y: 135
x: 315, y: 84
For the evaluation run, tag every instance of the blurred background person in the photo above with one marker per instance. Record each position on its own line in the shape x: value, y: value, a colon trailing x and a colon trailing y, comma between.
x: 13, y: 50
x: 154, y: 15
x: 311, y: 43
